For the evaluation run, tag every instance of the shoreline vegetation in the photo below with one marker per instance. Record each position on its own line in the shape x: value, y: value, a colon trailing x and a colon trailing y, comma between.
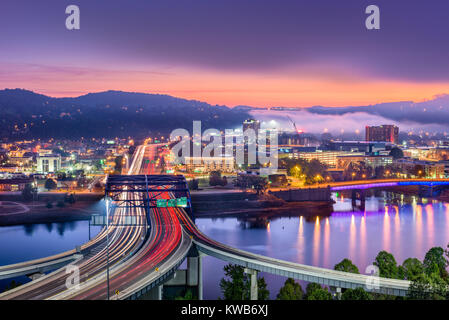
x: 253, y: 205
x: 429, y: 280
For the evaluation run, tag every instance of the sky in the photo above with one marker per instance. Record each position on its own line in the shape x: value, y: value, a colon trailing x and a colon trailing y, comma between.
x: 232, y: 52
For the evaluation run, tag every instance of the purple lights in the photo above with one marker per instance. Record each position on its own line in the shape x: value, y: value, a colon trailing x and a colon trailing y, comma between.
x: 365, y: 186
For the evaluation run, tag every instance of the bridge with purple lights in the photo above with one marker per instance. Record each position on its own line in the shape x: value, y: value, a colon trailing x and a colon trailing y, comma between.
x: 382, y: 184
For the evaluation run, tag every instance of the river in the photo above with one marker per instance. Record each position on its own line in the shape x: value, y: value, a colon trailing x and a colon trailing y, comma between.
x: 404, y: 226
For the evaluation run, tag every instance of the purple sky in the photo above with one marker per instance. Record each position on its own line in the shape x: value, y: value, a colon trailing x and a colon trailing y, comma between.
x: 199, y: 48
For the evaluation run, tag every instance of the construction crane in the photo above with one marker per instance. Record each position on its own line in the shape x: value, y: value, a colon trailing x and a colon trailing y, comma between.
x: 294, y: 126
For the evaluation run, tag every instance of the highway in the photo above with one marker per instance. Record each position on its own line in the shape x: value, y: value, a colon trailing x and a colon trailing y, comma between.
x: 124, y: 240
x: 289, y: 269
x: 137, y: 261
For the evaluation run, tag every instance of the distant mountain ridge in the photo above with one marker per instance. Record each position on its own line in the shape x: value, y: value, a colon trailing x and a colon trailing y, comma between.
x: 25, y: 114
x: 433, y: 111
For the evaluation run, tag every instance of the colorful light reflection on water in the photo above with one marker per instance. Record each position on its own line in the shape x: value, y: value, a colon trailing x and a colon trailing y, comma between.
x: 405, y: 228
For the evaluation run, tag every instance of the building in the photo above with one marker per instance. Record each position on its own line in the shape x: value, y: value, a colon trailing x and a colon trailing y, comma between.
x: 446, y: 168
x: 430, y: 169
x: 14, y: 184
x: 354, y: 146
x: 208, y: 164
x: 427, y: 153
x: 387, y: 133
x: 370, y: 160
x: 48, y: 163
x: 327, y: 157
x: 296, y: 139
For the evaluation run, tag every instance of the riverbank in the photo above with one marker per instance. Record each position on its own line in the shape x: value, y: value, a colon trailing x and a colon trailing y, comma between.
x: 250, y: 205
x: 15, y: 211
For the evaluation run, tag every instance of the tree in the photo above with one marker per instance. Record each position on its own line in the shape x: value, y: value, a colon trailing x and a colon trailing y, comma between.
x: 131, y: 150
x: 50, y: 184
x: 396, y: 153
x: 70, y: 198
x: 412, y: 269
x: 357, y: 171
x: 193, y: 184
x: 387, y: 265
x: 224, y: 181
x: 435, y: 262
x: 346, y: 265
x: 310, y: 172
x: 248, y: 181
x: 356, y: 294
x: 82, y: 182
x: 290, y: 291
x: 315, y: 292
x: 118, y: 164
x: 3, y: 158
x: 238, y: 287
x: 260, y: 184
x: 28, y: 192
x: 427, y: 287
x: 418, y: 170
x: 187, y: 296
x: 215, y: 178
x: 379, y: 172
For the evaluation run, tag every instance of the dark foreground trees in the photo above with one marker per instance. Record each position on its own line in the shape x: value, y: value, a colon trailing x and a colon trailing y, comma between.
x: 237, y: 284
x: 290, y: 291
x: 346, y: 265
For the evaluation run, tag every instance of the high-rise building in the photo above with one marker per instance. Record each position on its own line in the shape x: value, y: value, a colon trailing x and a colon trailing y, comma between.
x: 387, y: 133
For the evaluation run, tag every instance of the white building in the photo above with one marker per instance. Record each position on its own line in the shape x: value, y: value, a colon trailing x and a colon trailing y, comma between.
x: 48, y: 163
x: 208, y: 164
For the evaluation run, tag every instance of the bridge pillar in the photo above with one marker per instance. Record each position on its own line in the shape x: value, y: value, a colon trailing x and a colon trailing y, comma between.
x: 338, y: 293
x: 253, y: 289
x: 155, y: 293
x: 195, y: 274
x: 200, y: 278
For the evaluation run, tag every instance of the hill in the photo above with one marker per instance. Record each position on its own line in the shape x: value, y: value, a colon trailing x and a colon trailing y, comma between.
x: 26, y: 114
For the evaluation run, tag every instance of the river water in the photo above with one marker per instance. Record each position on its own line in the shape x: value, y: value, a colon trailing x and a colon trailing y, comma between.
x: 404, y: 226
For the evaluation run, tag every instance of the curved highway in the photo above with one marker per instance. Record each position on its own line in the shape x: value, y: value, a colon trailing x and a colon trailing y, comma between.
x: 137, y: 261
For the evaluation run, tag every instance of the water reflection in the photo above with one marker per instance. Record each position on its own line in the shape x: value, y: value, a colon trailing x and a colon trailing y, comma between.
x: 430, y: 231
x: 419, y: 229
x: 386, y: 231
x: 29, y: 229
x: 61, y: 227
x: 406, y: 226
x: 316, y: 241
x: 34, y: 241
x: 326, y: 248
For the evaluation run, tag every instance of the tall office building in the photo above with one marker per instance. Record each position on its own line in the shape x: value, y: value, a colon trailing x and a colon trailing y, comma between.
x: 387, y: 133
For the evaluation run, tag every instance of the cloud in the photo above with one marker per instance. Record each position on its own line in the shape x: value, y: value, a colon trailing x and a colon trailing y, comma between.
x: 349, y: 122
